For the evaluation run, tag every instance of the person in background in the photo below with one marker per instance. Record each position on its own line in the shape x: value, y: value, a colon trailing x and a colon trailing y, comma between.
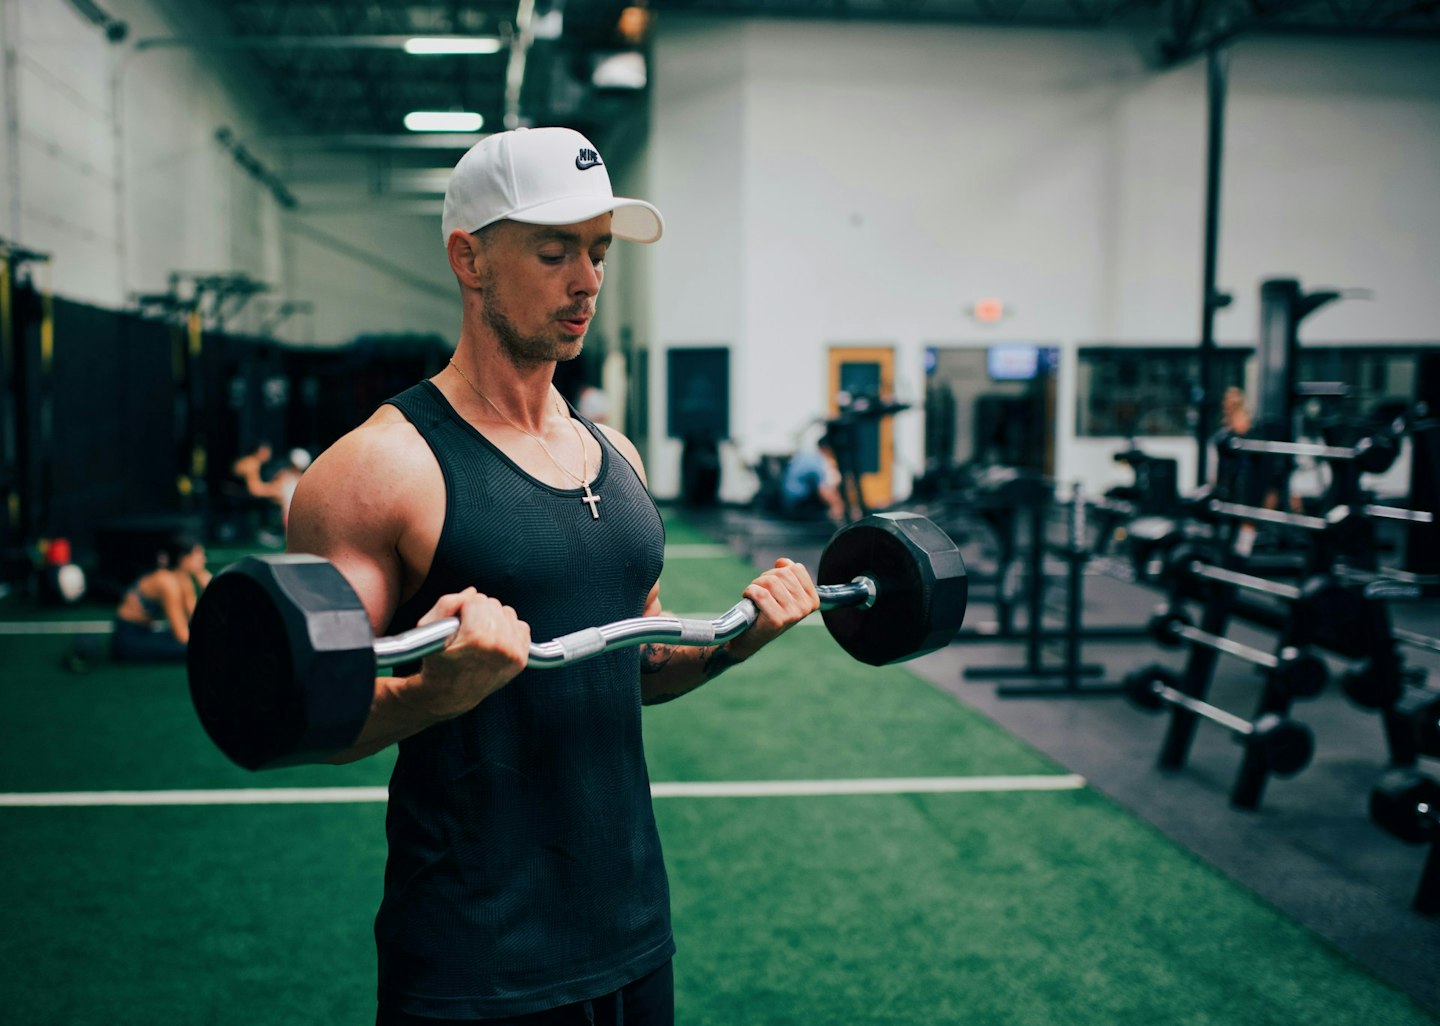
x: 280, y: 488
x: 1234, y: 414
x: 1233, y: 470
x: 811, y: 486
x: 152, y: 622
x: 1247, y: 478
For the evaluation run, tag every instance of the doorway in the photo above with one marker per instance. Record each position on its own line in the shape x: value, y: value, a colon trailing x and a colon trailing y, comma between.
x: 862, y: 378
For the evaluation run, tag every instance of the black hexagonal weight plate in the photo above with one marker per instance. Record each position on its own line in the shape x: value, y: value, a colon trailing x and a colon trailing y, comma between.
x: 1139, y: 686
x: 1402, y: 804
x: 920, y: 580
x: 281, y: 661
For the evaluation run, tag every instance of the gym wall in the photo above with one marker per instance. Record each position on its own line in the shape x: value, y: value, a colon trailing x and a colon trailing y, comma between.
x: 823, y: 184
x: 112, y: 166
x: 833, y: 184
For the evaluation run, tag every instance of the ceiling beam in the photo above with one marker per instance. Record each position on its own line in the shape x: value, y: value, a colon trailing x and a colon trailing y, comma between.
x: 316, y: 42
x: 457, y: 141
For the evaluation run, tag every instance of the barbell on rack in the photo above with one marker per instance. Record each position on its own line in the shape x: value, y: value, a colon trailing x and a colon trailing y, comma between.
x: 1283, y: 745
x: 1339, y: 519
x: 1373, y: 454
x: 1295, y: 672
x: 1323, y: 606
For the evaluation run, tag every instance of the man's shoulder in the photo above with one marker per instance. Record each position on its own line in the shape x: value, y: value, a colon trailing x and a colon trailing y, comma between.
x: 624, y: 446
x: 366, y: 486
x: 385, y: 451
x: 386, y: 441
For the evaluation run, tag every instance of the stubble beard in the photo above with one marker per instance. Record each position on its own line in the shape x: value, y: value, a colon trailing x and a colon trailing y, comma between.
x: 526, y: 350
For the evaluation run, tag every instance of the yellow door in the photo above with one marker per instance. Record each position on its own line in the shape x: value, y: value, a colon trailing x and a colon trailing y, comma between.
x: 867, y: 373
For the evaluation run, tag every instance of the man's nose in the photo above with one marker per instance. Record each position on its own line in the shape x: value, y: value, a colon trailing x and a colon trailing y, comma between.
x: 587, y: 281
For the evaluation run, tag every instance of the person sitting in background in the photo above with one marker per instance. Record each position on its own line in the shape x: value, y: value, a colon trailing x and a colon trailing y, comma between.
x: 811, y: 485
x: 152, y: 622
x: 279, y: 488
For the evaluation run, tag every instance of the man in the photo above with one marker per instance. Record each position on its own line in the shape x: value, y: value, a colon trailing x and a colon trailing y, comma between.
x: 525, y: 881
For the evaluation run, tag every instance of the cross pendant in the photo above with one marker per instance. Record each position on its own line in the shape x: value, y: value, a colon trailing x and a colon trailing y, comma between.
x: 593, y: 501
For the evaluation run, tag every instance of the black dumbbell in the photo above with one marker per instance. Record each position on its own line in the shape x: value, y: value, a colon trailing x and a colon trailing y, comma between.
x: 1419, y: 710
x: 1375, y: 683
x: 1180, y: 575
x: 1284, y: 746
x: 1407, y: 805
x: 1295, y: 672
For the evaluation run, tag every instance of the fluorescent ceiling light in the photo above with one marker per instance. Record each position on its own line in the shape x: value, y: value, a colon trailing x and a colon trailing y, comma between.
x: 443, y: 121
x: 452, y: 44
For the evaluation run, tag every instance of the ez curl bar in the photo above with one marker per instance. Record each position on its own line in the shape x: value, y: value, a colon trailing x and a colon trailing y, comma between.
x: 282, y: 660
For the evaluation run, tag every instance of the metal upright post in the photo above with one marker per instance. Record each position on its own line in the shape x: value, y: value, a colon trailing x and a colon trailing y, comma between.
x: 1217, y: 69
x: 1278, y: 356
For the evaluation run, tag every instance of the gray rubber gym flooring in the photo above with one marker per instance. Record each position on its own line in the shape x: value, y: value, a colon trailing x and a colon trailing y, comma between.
x: 1310, y: 849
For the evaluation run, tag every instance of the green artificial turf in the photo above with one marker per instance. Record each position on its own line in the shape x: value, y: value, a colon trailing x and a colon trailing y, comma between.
x: 1004, y: 908
x: 223, y: 915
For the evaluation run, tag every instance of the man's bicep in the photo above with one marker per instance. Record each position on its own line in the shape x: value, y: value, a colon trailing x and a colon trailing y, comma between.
x: 376, y: 579
x: 327, y: 521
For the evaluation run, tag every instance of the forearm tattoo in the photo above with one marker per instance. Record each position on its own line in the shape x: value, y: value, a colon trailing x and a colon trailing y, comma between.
x: 655, y: 658
x: 716, y: 661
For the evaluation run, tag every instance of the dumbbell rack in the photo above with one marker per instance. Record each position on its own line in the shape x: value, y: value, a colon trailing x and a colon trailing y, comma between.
x: 1383, y: 681
x: 1275, y: 701
x: 1355, y: 626
x: 1348, y: 618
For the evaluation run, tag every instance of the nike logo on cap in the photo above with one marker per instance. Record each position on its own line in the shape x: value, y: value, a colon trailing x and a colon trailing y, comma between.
x: 587, y: 159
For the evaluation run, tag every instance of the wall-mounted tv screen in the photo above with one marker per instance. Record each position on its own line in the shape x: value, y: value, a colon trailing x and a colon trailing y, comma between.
x: 1012, y: 362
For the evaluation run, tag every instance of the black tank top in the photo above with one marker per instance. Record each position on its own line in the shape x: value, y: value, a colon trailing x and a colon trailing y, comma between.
x: 524, y: 866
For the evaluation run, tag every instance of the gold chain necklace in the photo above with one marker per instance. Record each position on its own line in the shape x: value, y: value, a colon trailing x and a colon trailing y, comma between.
x: 590, y: 498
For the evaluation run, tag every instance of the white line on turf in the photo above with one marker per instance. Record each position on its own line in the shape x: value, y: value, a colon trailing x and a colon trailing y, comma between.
x: 679, y: 789
x: 696, y: 551
x: 58, y: 627
x: 892, y: 785
x: 239, y: 796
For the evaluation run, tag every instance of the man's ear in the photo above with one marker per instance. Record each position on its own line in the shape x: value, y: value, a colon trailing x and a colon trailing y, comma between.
x: 467, y: 258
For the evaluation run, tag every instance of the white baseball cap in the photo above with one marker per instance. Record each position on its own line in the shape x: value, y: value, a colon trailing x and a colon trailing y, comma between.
x: 540, y: 176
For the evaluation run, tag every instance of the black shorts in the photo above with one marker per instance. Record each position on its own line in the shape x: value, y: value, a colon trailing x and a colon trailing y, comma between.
x: 648, y: 1001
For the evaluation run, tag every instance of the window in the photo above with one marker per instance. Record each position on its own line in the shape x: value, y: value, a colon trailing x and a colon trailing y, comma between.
x: 1139, y: 391
x: 1370, y: 377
